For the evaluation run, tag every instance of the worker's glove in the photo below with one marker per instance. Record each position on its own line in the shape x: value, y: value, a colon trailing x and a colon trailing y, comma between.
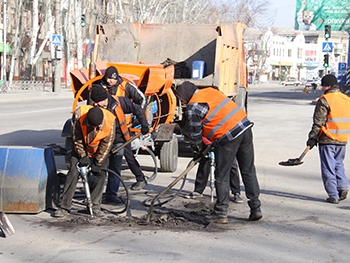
x: 95, y: 169
x: 144, y: 130
x: 311, y: 142
x: 197, y: 152
x: 85, y: 161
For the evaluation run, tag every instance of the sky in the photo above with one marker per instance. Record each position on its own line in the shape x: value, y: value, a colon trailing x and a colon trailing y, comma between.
x: 285, y: 12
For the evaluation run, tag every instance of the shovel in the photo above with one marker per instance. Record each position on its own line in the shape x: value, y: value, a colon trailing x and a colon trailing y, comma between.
x: 5, y: 225
x: 295, y: 161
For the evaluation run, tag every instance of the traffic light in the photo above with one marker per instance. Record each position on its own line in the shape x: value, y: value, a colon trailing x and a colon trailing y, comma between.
x: 326, y: 61
x: 327, y: 31
x: 83, y: 21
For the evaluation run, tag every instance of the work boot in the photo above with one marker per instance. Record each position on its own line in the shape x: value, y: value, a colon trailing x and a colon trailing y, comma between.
x: 60, y: 212
x: 332, y: 200
x: 139, y: 185
x: 255, y: 214
x: 237, y: 198
x: 97, y: 211
x: 113, y: 201
x: 193, y: 195
x: 343, y: 194
x: 216, y: 218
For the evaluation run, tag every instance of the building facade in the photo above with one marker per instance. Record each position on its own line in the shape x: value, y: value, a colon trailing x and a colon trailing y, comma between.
x: 282, y: 53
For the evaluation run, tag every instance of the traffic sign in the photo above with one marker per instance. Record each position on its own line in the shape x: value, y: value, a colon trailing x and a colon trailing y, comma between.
x: 341, y: 67
x: 56, y: 39
x: 327, y: 47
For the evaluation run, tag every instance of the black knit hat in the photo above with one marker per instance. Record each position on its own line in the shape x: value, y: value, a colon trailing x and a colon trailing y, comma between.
x: 185, y: 91
x: 111, y: 73
x: 329, y: 80
x: 94, y: 117
x: 98, y: 93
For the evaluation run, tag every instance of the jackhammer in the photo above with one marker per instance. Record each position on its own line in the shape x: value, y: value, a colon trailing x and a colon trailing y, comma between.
x: 212, y: 175
x: 83, y: 173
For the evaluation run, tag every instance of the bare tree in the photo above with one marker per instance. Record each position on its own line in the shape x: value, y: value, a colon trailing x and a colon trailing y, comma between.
x: 253, y: 13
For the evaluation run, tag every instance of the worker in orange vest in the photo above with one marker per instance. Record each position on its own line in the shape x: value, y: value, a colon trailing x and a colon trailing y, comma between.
x: 331, y: 131
x: 116, y: 86
x: 93, y: 136
x: 211, y: 114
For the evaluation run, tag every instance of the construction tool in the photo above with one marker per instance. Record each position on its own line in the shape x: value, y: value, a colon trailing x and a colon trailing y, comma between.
x: 5, y: 225
x: 83, y: 173
x: 133, y: 138
x: 295, y: 161
x: 212, y: 175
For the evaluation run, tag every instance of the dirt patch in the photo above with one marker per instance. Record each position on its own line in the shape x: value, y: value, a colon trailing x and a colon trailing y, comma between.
x: 178, y: 215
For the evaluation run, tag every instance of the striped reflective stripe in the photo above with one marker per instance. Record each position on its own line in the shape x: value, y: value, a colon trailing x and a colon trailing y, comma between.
x: 215, y: 111
x: 222, y: 122
x: 339, y: 131
x: 335, y: 120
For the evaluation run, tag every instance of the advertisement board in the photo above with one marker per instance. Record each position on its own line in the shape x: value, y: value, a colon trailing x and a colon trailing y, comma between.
x: 315, y: 14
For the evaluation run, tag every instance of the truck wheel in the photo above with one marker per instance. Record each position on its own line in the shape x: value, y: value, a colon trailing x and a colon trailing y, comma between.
x: 168, y: 155
x: 69, y: 148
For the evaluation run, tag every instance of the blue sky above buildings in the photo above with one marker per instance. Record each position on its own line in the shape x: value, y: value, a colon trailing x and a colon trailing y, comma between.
x: 284, y: 11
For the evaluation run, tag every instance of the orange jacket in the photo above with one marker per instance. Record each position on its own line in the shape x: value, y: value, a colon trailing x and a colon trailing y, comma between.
x: 108, y: 124
x: 223, y: 113
x: 121, y: 119
x: 338, y: 119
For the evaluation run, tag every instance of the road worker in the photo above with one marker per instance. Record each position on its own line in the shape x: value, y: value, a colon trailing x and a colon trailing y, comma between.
x: 119, y: 106
x: 331, y: 131
x: 213, y: 115
x: 93, y: 136
x: 115, y: 86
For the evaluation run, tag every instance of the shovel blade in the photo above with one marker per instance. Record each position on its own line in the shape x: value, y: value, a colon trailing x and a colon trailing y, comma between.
x: 291, y: 162
x: 5, y: 225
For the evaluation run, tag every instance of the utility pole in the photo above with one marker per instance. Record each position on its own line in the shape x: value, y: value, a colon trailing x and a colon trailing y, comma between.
x: 56, y: 62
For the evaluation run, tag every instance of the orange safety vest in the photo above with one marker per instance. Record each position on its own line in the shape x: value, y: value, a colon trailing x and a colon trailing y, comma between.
x: 122, y: 120
x: 108, y: 120
x: 338, y: 119
x: 121, y: 89
x: 223, y: 114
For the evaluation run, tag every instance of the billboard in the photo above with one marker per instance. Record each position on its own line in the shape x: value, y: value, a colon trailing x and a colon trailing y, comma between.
x: 315, y: 14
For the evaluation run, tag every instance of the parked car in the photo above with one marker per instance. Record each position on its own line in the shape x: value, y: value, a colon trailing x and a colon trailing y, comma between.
x: 291, y: 82
x: 309, y: 82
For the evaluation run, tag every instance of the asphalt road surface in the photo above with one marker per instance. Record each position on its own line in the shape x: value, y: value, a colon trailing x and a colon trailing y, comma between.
x: 297, y: 224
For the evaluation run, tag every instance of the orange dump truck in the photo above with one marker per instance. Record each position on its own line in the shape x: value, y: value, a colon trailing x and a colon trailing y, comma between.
x: 158, y: 58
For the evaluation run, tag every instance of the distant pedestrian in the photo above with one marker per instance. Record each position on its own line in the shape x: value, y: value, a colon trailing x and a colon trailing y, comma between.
x: 314, y: 87
x: 331, y: 131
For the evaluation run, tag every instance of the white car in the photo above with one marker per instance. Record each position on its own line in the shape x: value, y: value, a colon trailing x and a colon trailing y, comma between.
x: 309, y: 82
x: 291, y: 82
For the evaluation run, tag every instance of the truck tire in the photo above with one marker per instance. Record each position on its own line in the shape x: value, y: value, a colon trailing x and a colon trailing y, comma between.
x: 168, y: 155
x: 69, y: 148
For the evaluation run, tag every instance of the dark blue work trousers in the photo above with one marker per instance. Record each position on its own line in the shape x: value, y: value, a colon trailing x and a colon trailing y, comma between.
x: 115, y: 164
x: 242, y: 149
